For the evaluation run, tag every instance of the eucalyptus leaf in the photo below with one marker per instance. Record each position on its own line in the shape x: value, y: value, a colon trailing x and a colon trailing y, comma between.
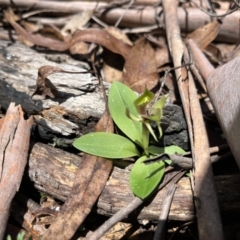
x: 120, y: 99
x: 107, y: 145
x: 144, y: 178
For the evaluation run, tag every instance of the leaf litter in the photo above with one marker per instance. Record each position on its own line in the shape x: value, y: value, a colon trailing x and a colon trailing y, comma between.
x: 141, y: 60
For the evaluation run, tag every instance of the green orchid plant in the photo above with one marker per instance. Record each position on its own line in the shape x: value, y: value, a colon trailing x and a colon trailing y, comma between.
x: 132, y: 116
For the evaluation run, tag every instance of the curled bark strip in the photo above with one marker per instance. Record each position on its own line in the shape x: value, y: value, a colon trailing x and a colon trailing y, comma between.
x: 91, y: 177
x: 209, y: 222
x: 14, y: 139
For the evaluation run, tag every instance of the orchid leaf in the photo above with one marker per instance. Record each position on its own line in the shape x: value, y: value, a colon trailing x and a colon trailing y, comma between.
x: 107, y: 145
x: 121, y: 99
x: 169, y: 150
x: 144, y: 178
x: 145, y: 139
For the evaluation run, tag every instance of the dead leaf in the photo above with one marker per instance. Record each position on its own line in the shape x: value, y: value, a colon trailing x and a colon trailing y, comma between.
x: 205, y: 34
x: 113, y: 63
x: 13, y: 16
x: 97, y: 36
x: 140, y: 69
x: 91, y: 177
x: 162, y: 56
x: 117, y: 33
x: 79, y: 48
x: 30, y: 27
x: 44, y: 85
x: 229, y: 51
x: 76, y: 22
x: 214, y: 54
x: 51, y: 32
x: 113, y: 66
x: 103, y: 38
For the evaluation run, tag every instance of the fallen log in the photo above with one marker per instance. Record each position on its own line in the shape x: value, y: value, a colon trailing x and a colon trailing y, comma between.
x: 53, y: 171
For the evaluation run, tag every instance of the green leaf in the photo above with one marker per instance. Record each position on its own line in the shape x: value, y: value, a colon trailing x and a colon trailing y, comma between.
x: 107, y: 145
x: 120, y: 99
x: 169, y: 150
x: 144, y: 178
x: 20, y: 236
x: 145, y: 139
x: 169, y: 162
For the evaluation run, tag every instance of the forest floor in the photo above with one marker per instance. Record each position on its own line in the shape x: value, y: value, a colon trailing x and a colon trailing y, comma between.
x: 59, y: 63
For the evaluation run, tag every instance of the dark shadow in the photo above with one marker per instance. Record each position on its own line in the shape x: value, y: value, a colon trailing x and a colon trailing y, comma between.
x: 9, y: 94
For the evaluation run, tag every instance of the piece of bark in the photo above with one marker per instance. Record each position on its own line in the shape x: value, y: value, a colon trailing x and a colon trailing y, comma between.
x: 91, y: 177
x: 79, y: 97
x: 205, y: 195
x: 23, y: 211
x: 53, y: 171
x: 14, y: 139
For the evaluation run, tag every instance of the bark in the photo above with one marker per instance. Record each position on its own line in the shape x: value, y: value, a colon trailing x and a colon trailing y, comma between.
x: 14, y: 143
x: 79, y: 104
